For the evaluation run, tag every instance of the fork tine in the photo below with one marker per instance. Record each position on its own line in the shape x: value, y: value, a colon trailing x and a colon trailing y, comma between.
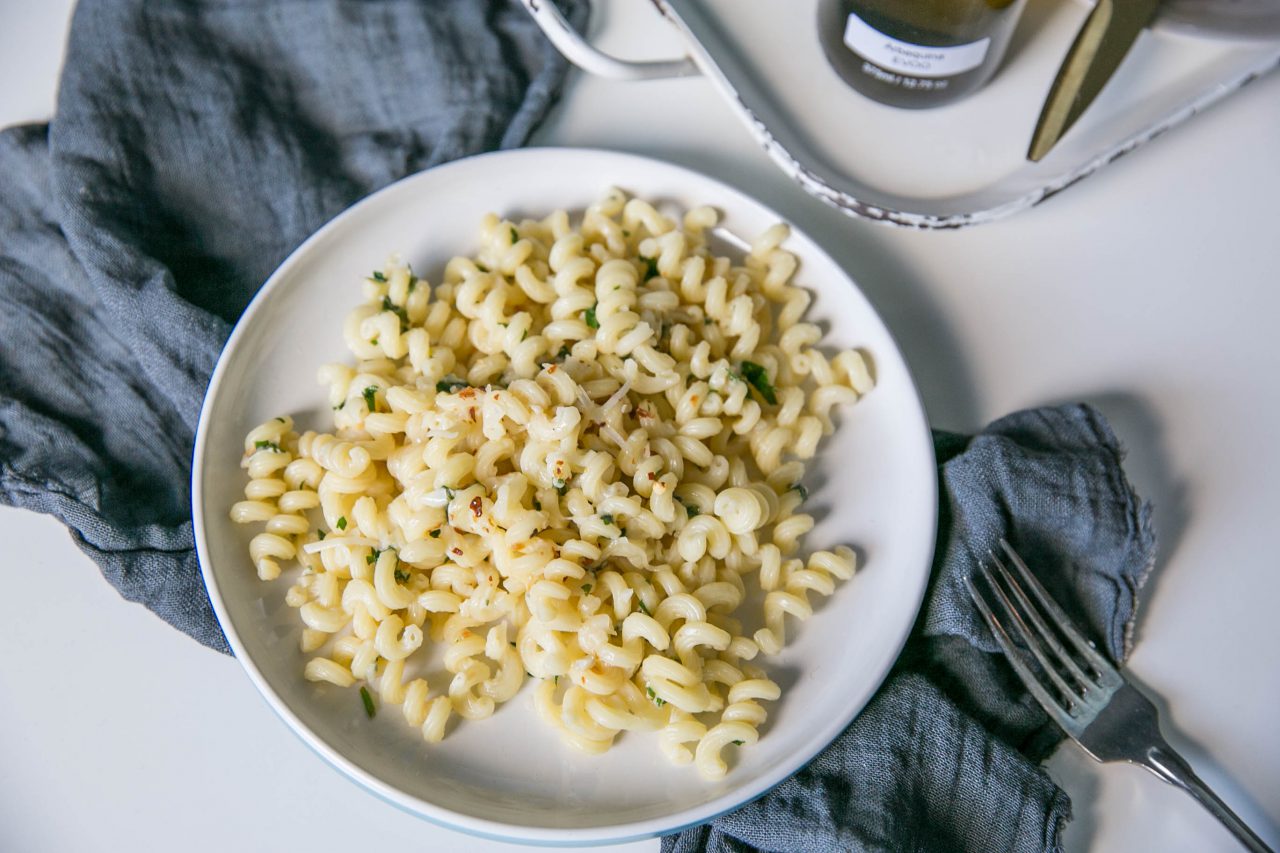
x: 1066, y: 691
x: 1020, y: 665
x: 1101, y: 665
x: 1064, y: 659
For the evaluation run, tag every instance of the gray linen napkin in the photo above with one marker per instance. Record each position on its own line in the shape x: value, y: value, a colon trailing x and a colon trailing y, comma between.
x: 945, y: 757
x: 197, y: 142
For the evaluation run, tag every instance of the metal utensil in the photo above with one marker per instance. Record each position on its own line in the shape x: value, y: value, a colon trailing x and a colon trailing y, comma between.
x: 1099, y: 48
x: 1080, y: 689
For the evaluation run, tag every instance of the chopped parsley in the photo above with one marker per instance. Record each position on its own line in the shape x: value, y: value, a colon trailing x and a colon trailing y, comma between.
x: 369, y: 710
x: 561, y: 486
x: 379, y: 277
x: 657, y: 700
x: 388, y: 305
x: 320, y: 534
x: 643, y: 609
x: 650, y: 267
x: 370, y: 395
x: 340, y: 406
x: 449, y: 493
x: 689, y: 509
x: 586, y: 587
x: 451, y: 385
x: 607, y: 518
x: 804, y: 493
x: 564, y: 353
x: 758, y: 377
x: 401, y: 576
x: 372, y: 557
x: 266, y: 445
x: 514, y: 236
x: 435, y: 534
x: 342, y: 522
x: 738, y: 742
x: 590, y: 316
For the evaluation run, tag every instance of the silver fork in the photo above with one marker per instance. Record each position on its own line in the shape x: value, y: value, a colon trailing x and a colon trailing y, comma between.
x: 1080, y: 689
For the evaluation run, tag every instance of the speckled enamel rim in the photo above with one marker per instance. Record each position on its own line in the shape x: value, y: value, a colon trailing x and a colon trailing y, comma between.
x: 862, y: 202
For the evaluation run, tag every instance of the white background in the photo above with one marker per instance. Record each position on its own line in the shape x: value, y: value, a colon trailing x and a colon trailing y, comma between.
x: 1152, y: 290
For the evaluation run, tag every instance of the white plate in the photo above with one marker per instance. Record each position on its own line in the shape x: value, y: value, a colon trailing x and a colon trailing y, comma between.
x: 509, y: 777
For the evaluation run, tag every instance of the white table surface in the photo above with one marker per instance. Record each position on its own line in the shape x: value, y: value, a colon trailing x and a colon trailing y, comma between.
x: 1151, y: 290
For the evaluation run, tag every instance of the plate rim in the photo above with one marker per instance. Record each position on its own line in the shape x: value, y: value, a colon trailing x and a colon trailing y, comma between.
x: 488, y: 828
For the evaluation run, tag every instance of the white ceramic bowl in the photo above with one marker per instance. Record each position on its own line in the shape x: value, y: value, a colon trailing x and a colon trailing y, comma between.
x: 509, y: 777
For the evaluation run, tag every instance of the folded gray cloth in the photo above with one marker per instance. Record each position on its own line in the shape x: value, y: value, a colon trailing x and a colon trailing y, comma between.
x: 945, y: 757
x: 197, y: 142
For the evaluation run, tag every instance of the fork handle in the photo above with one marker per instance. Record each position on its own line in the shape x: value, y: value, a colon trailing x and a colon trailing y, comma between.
x: 1164, y: 762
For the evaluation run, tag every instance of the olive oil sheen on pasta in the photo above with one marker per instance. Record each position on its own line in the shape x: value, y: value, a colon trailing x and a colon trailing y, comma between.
x: 916, y: 53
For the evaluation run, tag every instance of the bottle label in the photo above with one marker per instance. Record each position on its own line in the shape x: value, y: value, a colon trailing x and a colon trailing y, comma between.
x: 912, y: 60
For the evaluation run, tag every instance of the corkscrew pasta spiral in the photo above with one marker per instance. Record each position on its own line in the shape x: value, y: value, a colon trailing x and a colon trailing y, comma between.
x: 574, y: 460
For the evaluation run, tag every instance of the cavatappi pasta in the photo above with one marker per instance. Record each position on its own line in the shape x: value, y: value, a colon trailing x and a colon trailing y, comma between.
x: 564, y: 463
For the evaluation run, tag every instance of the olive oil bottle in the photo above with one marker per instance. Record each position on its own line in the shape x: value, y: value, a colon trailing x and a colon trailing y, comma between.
x: 916, y: 53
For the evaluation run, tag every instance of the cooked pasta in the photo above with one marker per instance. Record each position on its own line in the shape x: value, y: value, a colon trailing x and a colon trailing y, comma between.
x: 564, y: 462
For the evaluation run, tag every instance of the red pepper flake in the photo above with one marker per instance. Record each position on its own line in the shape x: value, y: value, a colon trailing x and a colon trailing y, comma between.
x: 471, y: 413
x: 467, y: 393
x: 551, y: 369
x: 457, y: 551
x: 477, y: 506
x: 652, y: 476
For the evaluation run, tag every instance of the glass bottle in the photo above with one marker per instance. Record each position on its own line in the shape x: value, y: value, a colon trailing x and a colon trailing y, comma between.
x: 916, y: 53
